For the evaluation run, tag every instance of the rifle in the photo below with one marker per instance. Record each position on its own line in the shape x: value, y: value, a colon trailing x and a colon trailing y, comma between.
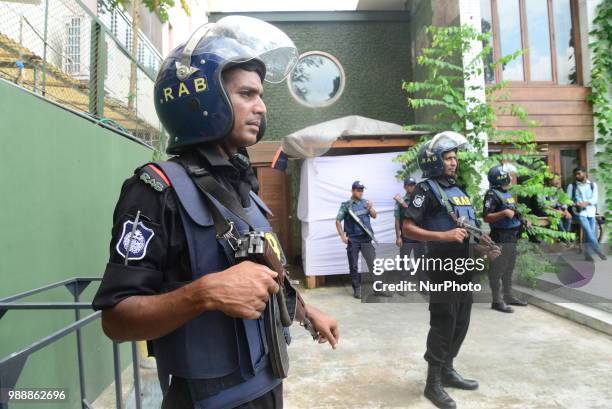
x: 462, y: 222
x: 474, y: 231
x: 360, y: 224
x: 285, y: 306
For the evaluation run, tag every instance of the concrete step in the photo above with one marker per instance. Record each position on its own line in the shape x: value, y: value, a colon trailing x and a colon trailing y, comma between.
x: 585, y: 314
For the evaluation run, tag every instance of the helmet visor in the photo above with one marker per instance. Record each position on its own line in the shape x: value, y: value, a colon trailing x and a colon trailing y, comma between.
x: 245, y: 38
x: 448, y: 141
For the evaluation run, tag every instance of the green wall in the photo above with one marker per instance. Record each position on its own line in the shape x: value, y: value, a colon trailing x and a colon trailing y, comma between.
x: 374, y: 52
x: 60, y: 178
x: 375, y: 56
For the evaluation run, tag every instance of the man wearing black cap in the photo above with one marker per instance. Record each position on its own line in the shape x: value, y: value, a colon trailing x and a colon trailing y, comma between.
x: 356, y: 214
x: 406, y: 244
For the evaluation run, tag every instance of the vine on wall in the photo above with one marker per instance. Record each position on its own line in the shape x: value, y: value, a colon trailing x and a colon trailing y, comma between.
x: 601, y: 74
x: 443, y: 91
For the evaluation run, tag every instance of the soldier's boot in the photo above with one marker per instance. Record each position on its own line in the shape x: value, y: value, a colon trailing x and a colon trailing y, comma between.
x: 434, y: 390
x: 498, y: 304
x: 502, y: 307
x: 452, y: 379
x: 512, y: 300
x: 357, y: 293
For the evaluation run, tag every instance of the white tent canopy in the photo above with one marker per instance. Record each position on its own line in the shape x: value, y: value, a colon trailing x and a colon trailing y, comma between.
x: 316, y: 140
x: 326, y: 183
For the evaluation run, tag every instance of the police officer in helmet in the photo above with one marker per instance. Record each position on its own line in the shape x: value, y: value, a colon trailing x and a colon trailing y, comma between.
x: 500, y: 212
x: 171, y: 277
x: 428, y: 219
x: 408, y: 246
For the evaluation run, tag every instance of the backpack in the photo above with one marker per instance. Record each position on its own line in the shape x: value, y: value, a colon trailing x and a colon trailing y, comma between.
x: 574, y: 210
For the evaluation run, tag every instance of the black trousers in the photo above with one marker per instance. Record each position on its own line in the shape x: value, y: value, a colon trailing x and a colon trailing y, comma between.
x: 500, y: 270
x: 178, y: 397
x: 449, y: 320
x: 353, y: 248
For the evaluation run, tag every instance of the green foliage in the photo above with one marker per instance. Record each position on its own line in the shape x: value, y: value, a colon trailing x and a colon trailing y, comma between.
x: 456, y: 108
x: 601, y: 72
x: 532, y: 262
x: 160, y: 7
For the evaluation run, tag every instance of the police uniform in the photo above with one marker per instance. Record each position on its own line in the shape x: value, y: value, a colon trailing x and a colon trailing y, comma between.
x: 505, y: 232
x: 163, y: 257
x: 358, y: 240
x: 450, y: 312
x: 409, y: 246
x: 166, y: 230
x: 430, y: 208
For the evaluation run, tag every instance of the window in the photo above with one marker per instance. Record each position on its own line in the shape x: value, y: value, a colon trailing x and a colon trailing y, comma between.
x: 317, y: 80
x: 546, y: 29
x: 141, y: 52
x: 72, y: 47
x: 569, y: 160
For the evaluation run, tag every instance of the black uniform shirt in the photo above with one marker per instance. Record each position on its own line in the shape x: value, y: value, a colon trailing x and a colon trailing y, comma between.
x: 492, y: 203
x: 163, y: 254
x: 424, y: 203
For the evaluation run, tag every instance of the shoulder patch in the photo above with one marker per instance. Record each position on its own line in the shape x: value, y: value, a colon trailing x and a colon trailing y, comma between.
x: 418, y: 200
x: 154, y: 177
x: 134, y: 240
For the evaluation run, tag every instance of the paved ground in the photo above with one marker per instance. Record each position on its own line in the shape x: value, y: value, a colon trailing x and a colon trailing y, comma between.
x: 530, y: 359
x: 527, y: 360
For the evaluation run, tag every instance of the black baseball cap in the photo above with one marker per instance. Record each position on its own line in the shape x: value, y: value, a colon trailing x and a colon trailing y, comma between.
x: 357, y: 185
x: 409, y: 181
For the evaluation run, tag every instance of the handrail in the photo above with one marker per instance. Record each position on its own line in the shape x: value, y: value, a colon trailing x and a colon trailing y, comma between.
x: 12, y: 365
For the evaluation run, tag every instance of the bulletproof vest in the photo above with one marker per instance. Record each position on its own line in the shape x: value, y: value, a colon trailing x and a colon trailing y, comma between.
x: 215, y: 349
x: 460, y: 203
x: 351, y: 227
x: 507, y: 203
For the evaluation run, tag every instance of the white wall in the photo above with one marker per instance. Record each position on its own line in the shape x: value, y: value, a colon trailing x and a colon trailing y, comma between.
x: 182, y: 25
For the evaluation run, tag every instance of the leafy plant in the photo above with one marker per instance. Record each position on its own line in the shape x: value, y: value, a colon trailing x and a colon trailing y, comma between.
x: 160, y: 7
x: 457, y: 108
x: 532, y: 261
x: 601, y: 72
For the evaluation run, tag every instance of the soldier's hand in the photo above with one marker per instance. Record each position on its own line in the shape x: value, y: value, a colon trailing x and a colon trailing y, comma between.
x: 509, y: 213
x: 457, y: 234
x: 325, y: 325
x: 368, y: 204
x: 398, y: 242
x: 344, y: 238
x: 240, y: 291
x: 494, y: 252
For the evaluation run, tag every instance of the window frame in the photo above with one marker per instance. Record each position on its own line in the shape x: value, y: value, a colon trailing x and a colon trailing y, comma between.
x: 72, y: 45
x: 341, y: 88
x: 525, y: 45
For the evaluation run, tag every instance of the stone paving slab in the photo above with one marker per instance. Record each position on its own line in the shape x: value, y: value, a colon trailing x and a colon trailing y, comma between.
x: 529, y: 359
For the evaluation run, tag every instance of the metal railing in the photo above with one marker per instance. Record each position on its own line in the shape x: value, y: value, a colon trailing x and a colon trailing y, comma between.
x: 12, y: 365
x: 81, y: 58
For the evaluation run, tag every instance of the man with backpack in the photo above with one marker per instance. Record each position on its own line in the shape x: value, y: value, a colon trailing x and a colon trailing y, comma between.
x: 584, y: 195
